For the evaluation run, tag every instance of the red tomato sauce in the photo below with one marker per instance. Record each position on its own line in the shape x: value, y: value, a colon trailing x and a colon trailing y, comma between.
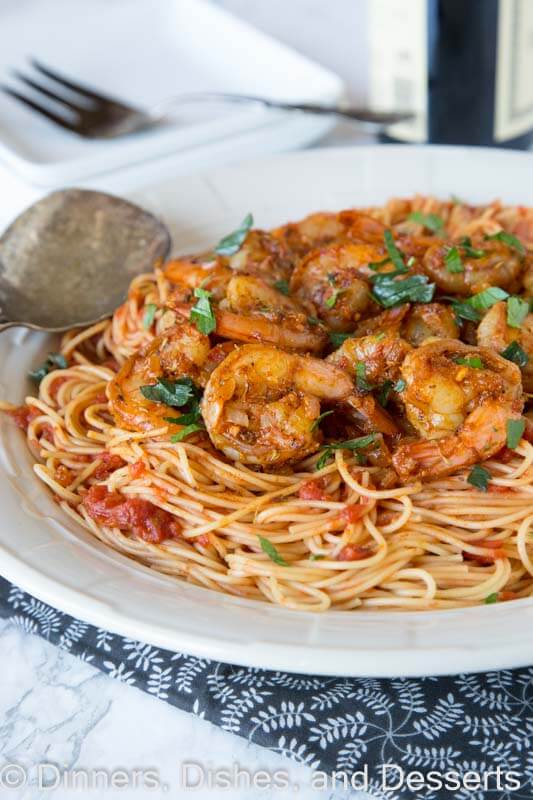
x: 23, y: 415
x: 134, y: 515
x: 354, y: 552
x: 312, y: 490
x: 109, y: 462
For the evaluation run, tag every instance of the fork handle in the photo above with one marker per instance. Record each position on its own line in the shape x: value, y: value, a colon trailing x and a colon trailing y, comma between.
x: 363, y: 115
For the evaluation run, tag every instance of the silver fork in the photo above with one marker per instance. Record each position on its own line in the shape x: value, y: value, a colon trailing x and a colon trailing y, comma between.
x: 94, y: 115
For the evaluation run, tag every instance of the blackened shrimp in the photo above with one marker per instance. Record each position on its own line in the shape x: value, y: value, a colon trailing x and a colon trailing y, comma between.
x: 459, y: 399
x: 261, y: 404
x: 180, y: 352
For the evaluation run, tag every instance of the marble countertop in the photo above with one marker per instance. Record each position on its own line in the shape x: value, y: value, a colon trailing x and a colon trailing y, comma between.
x: 55, y: 708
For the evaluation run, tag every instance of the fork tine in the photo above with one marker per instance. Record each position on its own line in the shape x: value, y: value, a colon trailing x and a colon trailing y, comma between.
x: 41, y: 89
x: 83, y: 91
x: 46, y: 112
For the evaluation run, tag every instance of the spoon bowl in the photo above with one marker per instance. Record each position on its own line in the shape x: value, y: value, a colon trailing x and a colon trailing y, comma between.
x: 67, y: 260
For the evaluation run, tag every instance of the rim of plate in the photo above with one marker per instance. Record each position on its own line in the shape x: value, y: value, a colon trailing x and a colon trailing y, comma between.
x: 59, y: 562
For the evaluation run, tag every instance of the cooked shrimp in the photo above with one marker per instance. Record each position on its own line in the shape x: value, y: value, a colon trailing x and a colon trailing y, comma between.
x: 459, y: 409
x: 323, y: 228
x: 189, y: 274
x: 334, y: 281
x: 252, y: 311
x: 380, y: 357
x: 528, y: 276
x: 260, y: 404
x: 263, y: 255
x: 500, y: 265
x: 179, y: 352
x: 428, y: 320
x: 494, y: 332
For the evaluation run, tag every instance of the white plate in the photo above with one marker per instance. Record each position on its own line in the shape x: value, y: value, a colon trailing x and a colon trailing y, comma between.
x: 147, y: 52
x: 62, y: 564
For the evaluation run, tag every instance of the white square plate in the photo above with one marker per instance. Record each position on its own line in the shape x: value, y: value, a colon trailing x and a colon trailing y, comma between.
x: 143, y: 53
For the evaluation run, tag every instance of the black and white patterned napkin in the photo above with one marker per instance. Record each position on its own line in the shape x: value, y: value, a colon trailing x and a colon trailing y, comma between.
x: 478, y: 727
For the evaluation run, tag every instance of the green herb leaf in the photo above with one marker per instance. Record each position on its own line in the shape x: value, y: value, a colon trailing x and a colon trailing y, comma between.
x: 337, y: 339
x: 389, y: 292
x: 361, y: 380
x: 172, y: 393
x: 52, y: 361
x: 479, y: 477
x: 515, y: 429
x: 468, y: 250
x: 399, y: 386
x: 509, y: 240
x: 517, y: 311
x: 491, y: 598
x: 186, y: 419
x: 319, y: 419
x: 394, y: 254
x: 513, y: 352
x: 487, y: 298
x: 470, y: 361
x: 375, y: 265
x: 282, y: 286
x: 383, y: 393
x: 430, y: 221
x: 202, y: 314
x: 149, y: 314
x: 463, y: 310
x: 453, y: 262
x: 268, y: 548
x: 316, y: 557
x: 348, y: 444
x: 192, y: 428
x: 332, y: 299
x: 231, y: 243
x: 313, y: 320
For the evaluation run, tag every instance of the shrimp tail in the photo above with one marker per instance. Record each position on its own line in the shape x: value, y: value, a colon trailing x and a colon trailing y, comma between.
x: 482, y: 435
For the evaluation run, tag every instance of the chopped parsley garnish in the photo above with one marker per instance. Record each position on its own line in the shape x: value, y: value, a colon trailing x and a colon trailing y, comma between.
x: 509, y: 240
x: 187, y: 430
x: 319, y: 419
x: 383, y: 392
x: 479, y: 477
x: 394, y: 254
x: 487, y: 298
x: 399, y: 386
x: 231, y: 243
x: 149, y: 314
x: 470, y: 361
x: 360, y: 378
x: 491, y: 598
x: 332, y: 299
x: 282, y: 286
x: 432, y: 222
x: 316, y: 557
x: 337, y: 339
x: 515, y: 429
x: 313, y: 320
x: 375, y: 265
x: 348, y: 444
x: 453, y: 262
x: 517, y: 311
x: 513, y: 352
x: 268, y: 548
x: 201, y: 313
x: 389, y: 292
x: 52, y: 361
x: 470, y: 309
x: 468, y: 250
x: 171, y: 393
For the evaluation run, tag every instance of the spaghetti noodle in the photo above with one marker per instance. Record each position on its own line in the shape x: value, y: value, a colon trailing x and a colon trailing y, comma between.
x: 348, y: 512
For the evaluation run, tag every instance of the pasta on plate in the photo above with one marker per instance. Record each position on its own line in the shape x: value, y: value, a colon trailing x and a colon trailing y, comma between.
x: 329, y: 415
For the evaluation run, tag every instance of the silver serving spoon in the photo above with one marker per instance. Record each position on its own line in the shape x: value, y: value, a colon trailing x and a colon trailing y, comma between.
x: 67, y: 260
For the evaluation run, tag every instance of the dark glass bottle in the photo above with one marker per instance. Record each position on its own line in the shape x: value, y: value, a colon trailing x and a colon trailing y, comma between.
x: 473, y: 59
